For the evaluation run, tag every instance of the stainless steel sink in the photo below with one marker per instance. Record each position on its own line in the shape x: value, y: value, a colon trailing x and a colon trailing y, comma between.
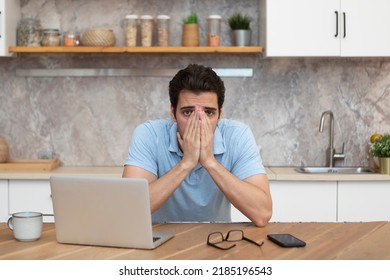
x: 335, y: 170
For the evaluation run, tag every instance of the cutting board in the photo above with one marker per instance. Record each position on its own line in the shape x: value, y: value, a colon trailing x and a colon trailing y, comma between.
x: 30, y: 165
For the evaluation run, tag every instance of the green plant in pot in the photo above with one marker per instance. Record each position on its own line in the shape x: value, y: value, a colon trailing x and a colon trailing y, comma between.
x: 191, y: 19
x: 381, y: 148
x: 190, y: 36
x: 240, y: 26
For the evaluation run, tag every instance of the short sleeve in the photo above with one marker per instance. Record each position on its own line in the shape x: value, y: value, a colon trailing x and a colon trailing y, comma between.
x: 142, y: 149
x: 247, y: 161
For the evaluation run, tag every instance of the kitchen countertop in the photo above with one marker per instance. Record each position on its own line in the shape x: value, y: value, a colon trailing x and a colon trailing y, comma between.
x: 274, y: 174
x: 104, y: 171
x: 289, y: 174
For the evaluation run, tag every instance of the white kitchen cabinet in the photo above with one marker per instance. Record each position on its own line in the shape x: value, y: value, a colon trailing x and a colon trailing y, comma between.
x: 304, y: 201
x: 3, y: 200
x: 327, y: 27
x: 300, y: 201
x: 293, y: 201
x: 30, y: 195
x: 237, y: 216
x: 363, y: 201
x: 9, y: 17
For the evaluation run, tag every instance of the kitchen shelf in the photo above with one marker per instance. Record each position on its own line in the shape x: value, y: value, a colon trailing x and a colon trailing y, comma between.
x: 173, y: 50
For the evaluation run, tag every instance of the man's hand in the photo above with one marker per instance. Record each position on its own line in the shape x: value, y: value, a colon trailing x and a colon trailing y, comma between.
x: 190, y: 142
x: 197, y: 141
x: 206, y: 141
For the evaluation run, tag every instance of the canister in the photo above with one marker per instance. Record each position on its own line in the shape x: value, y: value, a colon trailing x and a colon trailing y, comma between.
x: 213, y: 30
x: 163, y: 22
x: 51, y: 37
x: 29, y: 32
x: 130, y: 28
x: 71, y: 39
x: 146, y: 30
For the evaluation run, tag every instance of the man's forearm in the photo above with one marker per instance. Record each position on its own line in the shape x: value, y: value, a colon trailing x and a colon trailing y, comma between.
x: 251, y: 196
x: 162, y: 188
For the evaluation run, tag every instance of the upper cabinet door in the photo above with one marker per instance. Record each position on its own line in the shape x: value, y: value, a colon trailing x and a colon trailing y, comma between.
x: 367, y: 25
x: 302, y: 28
x: 9, y: 16
x: 327, y: 28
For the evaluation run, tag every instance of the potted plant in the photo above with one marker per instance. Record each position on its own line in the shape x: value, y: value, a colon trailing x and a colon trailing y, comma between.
x: 190, y: 36
x: 381, y: 148
x: 240, y: 26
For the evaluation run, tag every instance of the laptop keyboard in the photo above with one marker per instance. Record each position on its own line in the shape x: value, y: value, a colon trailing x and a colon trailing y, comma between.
x: 155, y: 238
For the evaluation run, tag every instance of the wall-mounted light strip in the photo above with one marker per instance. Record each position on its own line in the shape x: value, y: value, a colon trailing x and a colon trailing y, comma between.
x: 117, y: 72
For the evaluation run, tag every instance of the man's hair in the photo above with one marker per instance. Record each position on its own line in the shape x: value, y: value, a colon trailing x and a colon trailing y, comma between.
x: 197, y: 79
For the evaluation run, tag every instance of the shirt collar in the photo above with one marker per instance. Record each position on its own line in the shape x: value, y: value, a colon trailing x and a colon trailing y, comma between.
x: 218, y: 146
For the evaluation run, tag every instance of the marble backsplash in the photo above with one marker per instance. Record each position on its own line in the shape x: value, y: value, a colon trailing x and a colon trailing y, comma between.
x: 89, y: 121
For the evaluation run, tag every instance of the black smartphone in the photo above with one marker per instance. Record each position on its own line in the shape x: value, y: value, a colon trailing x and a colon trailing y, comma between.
x: 286, y: 240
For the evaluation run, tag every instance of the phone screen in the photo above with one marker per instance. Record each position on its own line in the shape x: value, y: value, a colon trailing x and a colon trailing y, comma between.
x: 286, y: 240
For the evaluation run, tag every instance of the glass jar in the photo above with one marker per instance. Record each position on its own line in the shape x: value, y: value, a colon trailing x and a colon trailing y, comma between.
x: 71, y: 39
x: 29, y: 32
x: 51, y: 38
x: 130, y: 27
x: 146, y: 30
x: 213, y: 30
x: 163, y: 30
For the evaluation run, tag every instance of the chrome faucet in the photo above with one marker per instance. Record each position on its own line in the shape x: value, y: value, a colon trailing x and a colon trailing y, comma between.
x: 330, y: 153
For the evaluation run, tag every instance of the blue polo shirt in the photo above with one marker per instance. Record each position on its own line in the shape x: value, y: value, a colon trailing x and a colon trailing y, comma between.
x: 154, y: 147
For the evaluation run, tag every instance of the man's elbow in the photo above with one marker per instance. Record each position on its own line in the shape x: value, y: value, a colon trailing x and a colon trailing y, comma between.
x: 262, y: 220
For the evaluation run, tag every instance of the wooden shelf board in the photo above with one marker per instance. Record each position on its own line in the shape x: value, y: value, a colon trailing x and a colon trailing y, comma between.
x: 30, y: 165
x: 85, y: 49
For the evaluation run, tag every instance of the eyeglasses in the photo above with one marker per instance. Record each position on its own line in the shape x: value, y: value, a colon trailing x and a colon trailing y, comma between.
x: 234, y: 235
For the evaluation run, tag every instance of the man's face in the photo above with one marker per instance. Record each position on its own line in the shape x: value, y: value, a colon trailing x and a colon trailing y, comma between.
x: 189, y: 102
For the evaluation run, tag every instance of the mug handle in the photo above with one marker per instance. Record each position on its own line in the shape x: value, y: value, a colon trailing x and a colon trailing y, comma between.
x: 9, y: 224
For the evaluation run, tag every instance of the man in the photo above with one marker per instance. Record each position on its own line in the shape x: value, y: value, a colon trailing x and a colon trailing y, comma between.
x: 197, y: 163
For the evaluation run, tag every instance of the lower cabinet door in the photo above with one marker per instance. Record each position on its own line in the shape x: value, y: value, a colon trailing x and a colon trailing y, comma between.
x: 364, y: 201
x: 4, y: 215
x: 30, y: 195
x: 237, y: 216
x: 304, y: 201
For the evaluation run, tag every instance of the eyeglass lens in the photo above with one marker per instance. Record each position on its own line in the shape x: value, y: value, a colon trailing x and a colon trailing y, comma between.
x: 235, y: 235
x: 217, y: 238
x: 232, y: 236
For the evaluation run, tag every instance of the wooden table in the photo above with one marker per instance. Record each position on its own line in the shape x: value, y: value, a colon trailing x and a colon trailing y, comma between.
x: 324, y: 241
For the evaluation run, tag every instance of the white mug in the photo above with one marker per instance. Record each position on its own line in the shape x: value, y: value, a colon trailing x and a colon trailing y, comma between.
x: 27, y: 226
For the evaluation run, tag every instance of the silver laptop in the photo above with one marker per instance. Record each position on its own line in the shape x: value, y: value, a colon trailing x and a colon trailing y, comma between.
x: 104, y: 211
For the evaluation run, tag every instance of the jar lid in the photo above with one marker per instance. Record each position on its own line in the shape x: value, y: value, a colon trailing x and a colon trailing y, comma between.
x: 71, y: 34
x: 131, y: 16
x: 30, y: 20
x: 146, y: 17
x: 214, y: 17
x: 51, y: 31
x: 163, y: 17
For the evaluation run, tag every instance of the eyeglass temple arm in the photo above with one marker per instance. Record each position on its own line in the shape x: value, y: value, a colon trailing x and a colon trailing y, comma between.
x: 251, y: 241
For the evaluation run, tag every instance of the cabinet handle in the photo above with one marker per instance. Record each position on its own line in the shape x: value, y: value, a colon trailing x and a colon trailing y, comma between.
x: 337, y: 23
x: 345, y: 25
